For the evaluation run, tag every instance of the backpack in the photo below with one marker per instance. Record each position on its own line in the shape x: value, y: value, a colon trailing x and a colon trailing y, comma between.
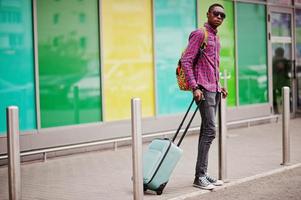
x: 181, y: 79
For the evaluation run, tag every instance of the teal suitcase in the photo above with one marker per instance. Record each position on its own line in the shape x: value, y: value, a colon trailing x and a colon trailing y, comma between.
x: 158, y: 163
x: 161, y: 158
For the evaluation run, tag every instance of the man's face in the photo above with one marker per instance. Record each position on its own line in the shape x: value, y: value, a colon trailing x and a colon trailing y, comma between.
x: 216, y: 16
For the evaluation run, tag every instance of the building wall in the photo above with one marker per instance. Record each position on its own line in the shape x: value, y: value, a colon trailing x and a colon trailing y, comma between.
x: 93, y: 56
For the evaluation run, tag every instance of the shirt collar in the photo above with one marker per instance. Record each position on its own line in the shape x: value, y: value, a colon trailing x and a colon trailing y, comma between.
x: 210, y: 29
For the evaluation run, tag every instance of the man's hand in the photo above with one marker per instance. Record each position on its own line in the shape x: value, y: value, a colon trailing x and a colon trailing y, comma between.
x: 224, y: 93
x: 198, y: 95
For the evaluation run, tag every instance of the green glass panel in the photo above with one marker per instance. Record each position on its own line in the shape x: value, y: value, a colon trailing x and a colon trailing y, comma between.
x: 252, y: 53
x: 69, y: 62
x: 175, y: 19
x: 226, y: 35
x: 16, y: 62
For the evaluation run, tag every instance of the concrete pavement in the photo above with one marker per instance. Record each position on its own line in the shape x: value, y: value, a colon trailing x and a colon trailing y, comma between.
x: 278, y: 185
x: 107, y: 174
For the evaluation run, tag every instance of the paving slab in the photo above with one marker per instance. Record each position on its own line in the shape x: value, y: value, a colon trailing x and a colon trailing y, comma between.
x: 276, y: 185
x: 107, y: 174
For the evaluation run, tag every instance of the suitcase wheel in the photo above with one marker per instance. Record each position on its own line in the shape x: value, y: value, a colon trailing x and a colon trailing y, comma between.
x: 144, y: 187
x: 160, y: 189
x: 159, y: 192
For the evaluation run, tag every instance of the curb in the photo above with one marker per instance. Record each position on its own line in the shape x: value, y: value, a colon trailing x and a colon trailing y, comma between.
x: 239, y: 181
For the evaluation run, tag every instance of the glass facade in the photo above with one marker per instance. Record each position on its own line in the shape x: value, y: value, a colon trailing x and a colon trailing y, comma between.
x: 17, y: 85
x: 252, y: 54
x: 141, y: 42
x: 226, y: 35
x: 69, y: 75
x: 170, y: 41
x: 127, y: 57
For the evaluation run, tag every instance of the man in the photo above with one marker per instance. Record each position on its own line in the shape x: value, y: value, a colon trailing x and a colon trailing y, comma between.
x: 201, y: 68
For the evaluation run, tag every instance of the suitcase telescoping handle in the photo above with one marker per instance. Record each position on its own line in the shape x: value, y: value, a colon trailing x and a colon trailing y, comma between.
x: 182, y: 122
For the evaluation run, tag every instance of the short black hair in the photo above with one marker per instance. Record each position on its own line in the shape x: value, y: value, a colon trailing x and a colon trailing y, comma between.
x: 215, y: 5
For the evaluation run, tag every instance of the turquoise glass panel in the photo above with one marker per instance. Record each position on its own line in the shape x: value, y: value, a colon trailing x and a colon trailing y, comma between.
x: 174, y: 20
x: 16, y: 62
x: 252, y: 54
x: 226, y: 36
x: 69, y: 75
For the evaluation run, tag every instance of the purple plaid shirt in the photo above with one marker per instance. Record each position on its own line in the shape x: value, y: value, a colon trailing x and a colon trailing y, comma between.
x: 202, y: 70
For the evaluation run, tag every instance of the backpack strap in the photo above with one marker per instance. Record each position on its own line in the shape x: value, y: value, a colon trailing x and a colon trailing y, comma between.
x: 205, y: 41
x: 203, y: 44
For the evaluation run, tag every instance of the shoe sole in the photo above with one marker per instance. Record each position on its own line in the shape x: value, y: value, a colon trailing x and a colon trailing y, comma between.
x: 217, y: 184
x: 202, y: 187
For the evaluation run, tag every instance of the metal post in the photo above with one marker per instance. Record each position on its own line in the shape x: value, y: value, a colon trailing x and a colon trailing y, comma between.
x: 137, y: 149
x: 13, y: 151
x: 44, y: 156
x: 76, y: 103
x: 222, y: 149
x: 285, y: 126
x: 115, y: 146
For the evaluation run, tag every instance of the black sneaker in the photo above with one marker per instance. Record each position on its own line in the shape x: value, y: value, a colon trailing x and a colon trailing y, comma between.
x: 203, y: 183
x: 214, y: 181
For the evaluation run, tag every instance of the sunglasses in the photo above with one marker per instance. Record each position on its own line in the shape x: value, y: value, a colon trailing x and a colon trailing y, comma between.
x: 216, y: 14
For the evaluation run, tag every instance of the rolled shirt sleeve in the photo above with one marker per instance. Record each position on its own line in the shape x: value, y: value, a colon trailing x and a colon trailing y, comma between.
x: 196, y: 38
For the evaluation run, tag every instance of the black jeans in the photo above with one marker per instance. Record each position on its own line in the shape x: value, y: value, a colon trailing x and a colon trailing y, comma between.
x: 207, y: 109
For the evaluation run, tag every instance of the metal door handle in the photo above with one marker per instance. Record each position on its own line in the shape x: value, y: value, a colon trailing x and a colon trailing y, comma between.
x: 294, y: 69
